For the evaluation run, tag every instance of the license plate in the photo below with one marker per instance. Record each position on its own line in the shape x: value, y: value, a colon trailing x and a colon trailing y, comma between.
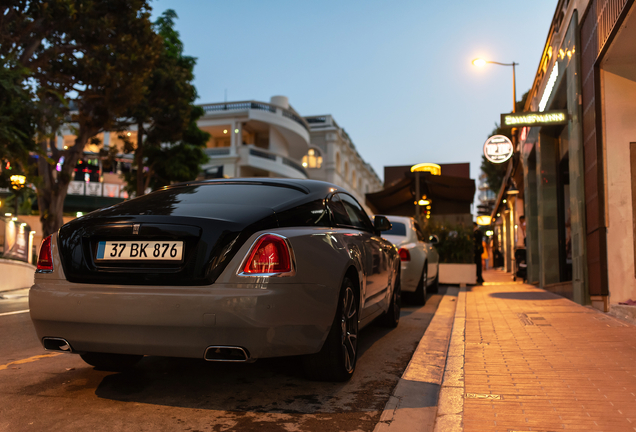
x: 140, y: 250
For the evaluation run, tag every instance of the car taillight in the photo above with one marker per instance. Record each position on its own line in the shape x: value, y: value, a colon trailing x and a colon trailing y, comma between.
x: 270, y: 254
x: 45, y: 260
x: 405, y: 255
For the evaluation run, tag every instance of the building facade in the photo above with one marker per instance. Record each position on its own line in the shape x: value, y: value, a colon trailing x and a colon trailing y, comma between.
x: 580, y: 177
x: 333, y: 157
x: 608, y: 106
x: 553, y: 164
x: 255, y: 139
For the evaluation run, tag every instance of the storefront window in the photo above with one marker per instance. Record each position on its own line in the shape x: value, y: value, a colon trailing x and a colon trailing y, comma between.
x: 563, y: 192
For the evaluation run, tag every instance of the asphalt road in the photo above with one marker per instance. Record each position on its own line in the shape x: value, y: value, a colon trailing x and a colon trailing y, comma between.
x: 58, y: 392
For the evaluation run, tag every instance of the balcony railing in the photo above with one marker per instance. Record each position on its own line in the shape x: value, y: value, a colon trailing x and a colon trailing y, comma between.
x: 241, y: 106
x: 219, y: 151
x: 109, y: 190
x: 264, y: 154
x: 244, y: 151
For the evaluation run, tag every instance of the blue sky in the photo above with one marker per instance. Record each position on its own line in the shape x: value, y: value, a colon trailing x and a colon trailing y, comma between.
x: 397, y: 75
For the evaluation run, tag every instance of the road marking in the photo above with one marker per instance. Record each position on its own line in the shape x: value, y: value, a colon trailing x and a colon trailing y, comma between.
x: 14, y: 312
x: 28, y: 360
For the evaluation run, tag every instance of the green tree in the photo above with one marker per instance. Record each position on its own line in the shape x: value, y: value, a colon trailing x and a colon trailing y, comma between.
x: 87, y: 63
x: 169, y: 143
x: 17, y: 125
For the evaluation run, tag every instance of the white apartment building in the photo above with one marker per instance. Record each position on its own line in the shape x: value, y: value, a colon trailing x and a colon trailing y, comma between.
x: 332, y: 157
x: 247, y: 139
x: 254, y: 139
x: 258, y: 139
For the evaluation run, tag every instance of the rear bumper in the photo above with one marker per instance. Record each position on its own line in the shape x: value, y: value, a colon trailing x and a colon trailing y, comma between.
x: 267, y: 320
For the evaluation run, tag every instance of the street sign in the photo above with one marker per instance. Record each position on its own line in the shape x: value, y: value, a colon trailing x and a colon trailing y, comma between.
x: 545, y: 118
x: 498, y: 149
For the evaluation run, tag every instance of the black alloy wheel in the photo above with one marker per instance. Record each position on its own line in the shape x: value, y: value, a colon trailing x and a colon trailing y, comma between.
x: 349, y: 329
x: 336, y: 361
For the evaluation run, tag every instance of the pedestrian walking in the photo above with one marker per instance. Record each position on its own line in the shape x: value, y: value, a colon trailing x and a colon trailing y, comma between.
x: 479, y: 249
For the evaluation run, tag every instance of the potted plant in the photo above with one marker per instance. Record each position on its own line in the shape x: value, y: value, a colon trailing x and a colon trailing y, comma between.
x: 456, y: 252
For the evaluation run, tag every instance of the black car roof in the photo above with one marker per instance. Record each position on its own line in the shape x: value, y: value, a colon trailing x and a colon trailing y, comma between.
x: 302, y: 185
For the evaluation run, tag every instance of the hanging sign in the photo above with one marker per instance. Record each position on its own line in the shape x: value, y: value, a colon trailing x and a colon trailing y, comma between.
x: 432, y: 168
x: 498, y: 149
x: 545, y: 118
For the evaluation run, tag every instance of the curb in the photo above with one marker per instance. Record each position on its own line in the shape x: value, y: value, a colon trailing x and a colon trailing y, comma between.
x: 450, y: 407
x: 413, y: 405
x: 2, y: 291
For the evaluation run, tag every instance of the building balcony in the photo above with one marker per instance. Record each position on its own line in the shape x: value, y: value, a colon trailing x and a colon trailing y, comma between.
x: 250, y: 161
x: 275, y: 126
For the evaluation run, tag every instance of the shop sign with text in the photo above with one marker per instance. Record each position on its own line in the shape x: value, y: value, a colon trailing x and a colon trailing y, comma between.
x: 498, y: 149
x: 545, y: 118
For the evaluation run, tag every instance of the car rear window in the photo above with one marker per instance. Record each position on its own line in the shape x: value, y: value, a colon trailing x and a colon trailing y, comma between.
x: 397, y: 229
x: 198, y: 200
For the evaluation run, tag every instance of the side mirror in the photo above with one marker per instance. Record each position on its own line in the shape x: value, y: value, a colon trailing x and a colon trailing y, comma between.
x: 381, y: 223
x: 433, y: 239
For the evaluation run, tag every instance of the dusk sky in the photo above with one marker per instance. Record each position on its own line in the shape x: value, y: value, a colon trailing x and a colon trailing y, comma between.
x: 396, y: 75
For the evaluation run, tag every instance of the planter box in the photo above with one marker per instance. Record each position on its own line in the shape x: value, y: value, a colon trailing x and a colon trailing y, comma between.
x: 458, y: 274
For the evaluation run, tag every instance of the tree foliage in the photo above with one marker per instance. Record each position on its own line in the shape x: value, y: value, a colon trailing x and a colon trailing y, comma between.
x: 168, y: 146
x: 17, y: 126
x: 456, y: 243
x: 86, y: 63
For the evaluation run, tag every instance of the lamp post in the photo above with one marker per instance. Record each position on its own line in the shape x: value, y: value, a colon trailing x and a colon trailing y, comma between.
x: 17, y: 183
x: 479, y: 62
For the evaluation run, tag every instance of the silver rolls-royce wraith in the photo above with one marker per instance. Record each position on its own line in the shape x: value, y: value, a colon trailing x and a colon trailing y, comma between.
x: 223, y: 270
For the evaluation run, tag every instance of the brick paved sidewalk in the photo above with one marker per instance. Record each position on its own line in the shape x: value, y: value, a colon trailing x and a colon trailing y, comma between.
x: 544, y: 362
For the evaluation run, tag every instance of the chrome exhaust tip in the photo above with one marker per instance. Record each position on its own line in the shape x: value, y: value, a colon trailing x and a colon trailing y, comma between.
x: 56, y: 344
x: 226, y: 354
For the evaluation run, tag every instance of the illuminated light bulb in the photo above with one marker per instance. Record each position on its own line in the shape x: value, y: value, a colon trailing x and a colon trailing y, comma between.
x: 236, y: 131
x: 224, y: 131
x: 479, y: 62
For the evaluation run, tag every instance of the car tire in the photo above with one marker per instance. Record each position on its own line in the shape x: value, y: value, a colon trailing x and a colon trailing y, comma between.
x: 434, y: 288
x: 336, y: 361
x: 391, y: 318
x: 419, y: 295
x: 111, y: 362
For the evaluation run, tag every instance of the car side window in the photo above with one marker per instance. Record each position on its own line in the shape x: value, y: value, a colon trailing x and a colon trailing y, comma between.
x: 418, y: 231
x: 358, y: 216
x: 310, y: 214
x: 340, y: 215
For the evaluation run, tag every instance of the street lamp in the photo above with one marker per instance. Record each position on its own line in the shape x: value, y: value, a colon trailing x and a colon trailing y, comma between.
x: 479, y: 62
x: 17, y: 183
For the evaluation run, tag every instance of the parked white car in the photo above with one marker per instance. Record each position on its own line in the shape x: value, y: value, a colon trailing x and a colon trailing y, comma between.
x: 420, y: 260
